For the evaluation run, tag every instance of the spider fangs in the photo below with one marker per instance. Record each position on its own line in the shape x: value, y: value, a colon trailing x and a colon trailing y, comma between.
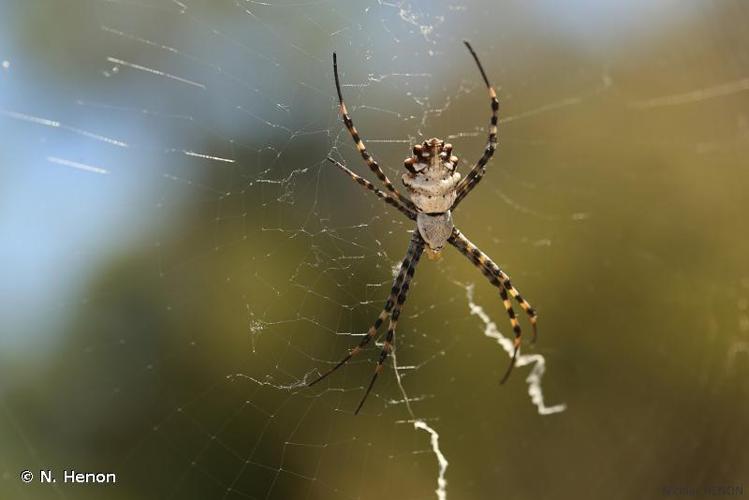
x: 435, y: 189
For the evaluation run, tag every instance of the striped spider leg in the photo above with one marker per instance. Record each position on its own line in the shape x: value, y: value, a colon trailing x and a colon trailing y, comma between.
x: 478, y: 171
x: 392, y: 308
x: 387, y: 198
x: 387, y: 347
x: 501, y: 280
x: 368, y: 159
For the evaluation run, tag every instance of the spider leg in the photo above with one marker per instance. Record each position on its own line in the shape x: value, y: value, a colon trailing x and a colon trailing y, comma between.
x: 477, y: 172
x: 466, y: 247
x: 390, y: 200
x: 389, y: 304
x: 388, y: 345
x: 499, y: 279
x: 368, y: 159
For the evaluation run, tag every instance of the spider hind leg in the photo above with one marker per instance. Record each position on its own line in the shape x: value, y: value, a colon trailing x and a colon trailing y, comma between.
x: 479, y: 169
x: 366, y: 156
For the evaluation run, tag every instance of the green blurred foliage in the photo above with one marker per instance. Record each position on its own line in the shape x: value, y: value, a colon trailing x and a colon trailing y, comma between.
x: 620, y: 218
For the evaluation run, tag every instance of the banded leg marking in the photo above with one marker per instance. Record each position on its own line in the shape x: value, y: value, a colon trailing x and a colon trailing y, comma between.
x: 477, y: 172
x: 368, y: 159
x: 388, y: 344
x: 389, y: 304
x: 390, y: 200
x: 499, y: 279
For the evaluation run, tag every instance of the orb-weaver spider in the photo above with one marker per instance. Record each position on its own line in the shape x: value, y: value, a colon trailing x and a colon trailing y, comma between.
x: 435, y: 189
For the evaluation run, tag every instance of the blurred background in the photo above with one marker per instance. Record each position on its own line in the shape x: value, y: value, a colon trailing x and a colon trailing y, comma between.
x: 177, y: 257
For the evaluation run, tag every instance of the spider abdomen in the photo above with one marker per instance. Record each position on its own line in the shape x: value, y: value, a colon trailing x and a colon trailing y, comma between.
x: 435, y: 229
x: 431, y: 179
x: 432, y: 193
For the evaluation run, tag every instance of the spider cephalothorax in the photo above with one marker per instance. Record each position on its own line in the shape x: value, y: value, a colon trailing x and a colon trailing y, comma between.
x: 435, y: 189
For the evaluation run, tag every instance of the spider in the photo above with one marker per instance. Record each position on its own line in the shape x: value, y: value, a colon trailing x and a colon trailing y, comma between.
x: 435, y: 189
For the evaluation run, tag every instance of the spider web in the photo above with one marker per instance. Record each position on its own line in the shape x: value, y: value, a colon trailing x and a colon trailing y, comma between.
x: 186, y: 260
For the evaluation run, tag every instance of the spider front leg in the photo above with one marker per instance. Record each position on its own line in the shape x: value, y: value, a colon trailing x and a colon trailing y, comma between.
x: 388, y: 345
x: 414, y: 245
x: 499, y: 279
